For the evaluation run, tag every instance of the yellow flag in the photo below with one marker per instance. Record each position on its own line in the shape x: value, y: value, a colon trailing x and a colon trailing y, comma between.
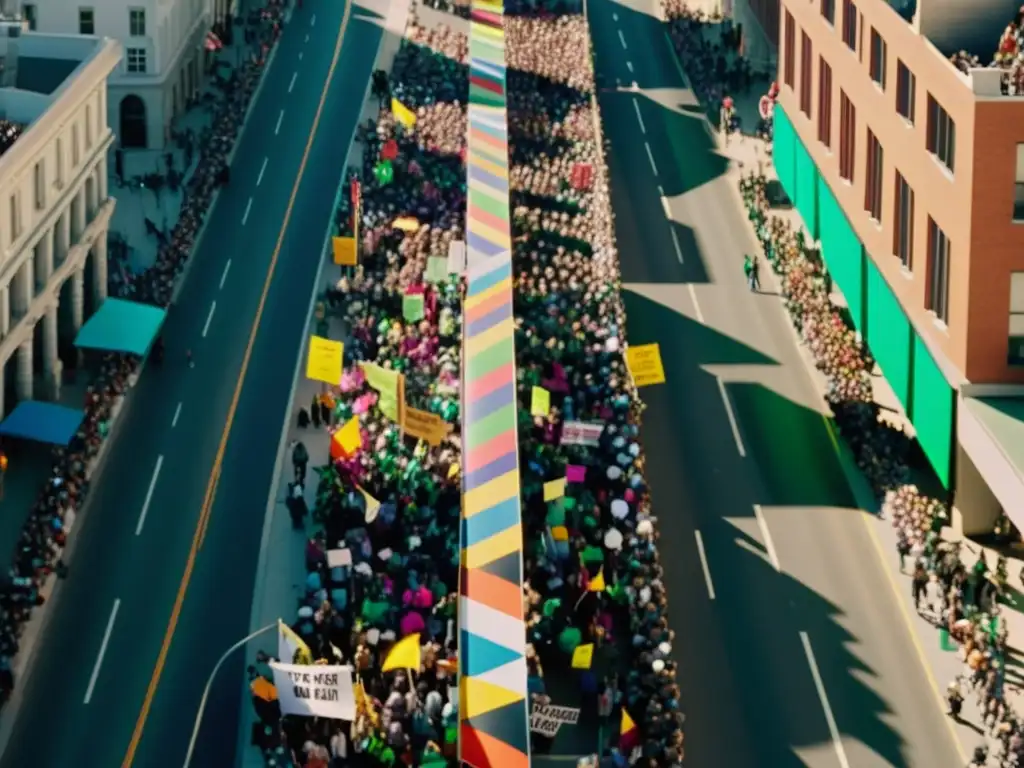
x: 406, y: 224
x: 291, y: 648
x: 404, y: 655
x: 597, y: 583
x: 554, y: 489
x: 583, y: 656
x: 627, y: 724
x: 348, y: 437
x: 385, y: 381
x: 403, y: 114
x: 540, y: 402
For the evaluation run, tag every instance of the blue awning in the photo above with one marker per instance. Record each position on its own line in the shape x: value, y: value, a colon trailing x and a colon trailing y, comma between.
x: 122, y: 326
x: 42, y: 422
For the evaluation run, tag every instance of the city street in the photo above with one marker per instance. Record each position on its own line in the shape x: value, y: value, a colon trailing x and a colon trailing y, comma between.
x: 790, y: 643
x: 158, y: 589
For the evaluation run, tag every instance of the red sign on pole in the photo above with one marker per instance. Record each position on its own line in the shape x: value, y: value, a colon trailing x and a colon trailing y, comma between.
x: 582, y: 176
x: 354, y: 193
x: 390, y: 150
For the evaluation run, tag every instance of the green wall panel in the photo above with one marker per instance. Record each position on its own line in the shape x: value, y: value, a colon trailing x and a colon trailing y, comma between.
x: 783, y: 139
x: 842, y: 252
x: 933, y: 411
x: 888, y: 334
x: 806, y: 187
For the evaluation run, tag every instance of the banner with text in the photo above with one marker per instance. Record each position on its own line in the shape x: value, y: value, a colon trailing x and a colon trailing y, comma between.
x: 315, y: 691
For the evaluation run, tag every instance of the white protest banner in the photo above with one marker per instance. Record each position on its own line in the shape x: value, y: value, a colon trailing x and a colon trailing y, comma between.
x: 315, y: 690
x: 339, y: 558
x: 457, y: 257
x: 546, y: 720
x: 581, y: 433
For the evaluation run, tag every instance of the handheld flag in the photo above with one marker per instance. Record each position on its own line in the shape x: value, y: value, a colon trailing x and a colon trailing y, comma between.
x: 405, y: 654
x: 597, y: 583
x: 629, y: 734
x: 292, y: 649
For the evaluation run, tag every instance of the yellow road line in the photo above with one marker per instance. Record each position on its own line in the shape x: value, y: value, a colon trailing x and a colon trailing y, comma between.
x: 211, y: 485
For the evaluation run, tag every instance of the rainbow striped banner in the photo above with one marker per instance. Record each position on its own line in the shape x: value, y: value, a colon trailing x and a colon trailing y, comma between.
x: 494, y: 729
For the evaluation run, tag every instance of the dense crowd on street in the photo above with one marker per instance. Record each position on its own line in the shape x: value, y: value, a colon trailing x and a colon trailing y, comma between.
x: 961, y: 600
x: 10, y: 132
x: 591, y: 563
x: 43, y: 537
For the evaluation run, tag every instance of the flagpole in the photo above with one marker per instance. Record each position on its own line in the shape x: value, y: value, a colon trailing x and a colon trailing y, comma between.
x: 209, y: 685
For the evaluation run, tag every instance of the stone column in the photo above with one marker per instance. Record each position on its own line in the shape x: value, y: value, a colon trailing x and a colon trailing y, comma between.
x: 51, y: 360
x: 63, y: 235
x: 22, y: 297
x: 24, y: 379
x: 44, y: 259
x: 102, y: 180
x: 77, y: 300
x: 99, y: 269
x: 78, y: 214
x: 5, y: 313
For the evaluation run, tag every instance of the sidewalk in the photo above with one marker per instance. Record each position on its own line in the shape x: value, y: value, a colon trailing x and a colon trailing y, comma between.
x: 747, y: 153
x: 282, y: 566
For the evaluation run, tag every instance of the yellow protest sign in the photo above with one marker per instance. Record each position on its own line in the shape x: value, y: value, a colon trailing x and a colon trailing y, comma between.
x: 453, y: 471
x: 402, y: 113
x: 425, y: 426
x: 348, y: 437
x: 583, y: 656
x: 386, y: 382
x: 645, y: 365
x: 325, y: 360
x: 406, y: 224
x: 540, y: 402
x: 345, y: 251
x: 554, y: 490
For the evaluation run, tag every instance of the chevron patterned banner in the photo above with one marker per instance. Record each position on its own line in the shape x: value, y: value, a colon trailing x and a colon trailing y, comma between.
x: 494, y: 728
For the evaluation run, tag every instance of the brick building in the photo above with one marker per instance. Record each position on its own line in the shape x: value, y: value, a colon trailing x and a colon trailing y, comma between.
x: 909, y: 170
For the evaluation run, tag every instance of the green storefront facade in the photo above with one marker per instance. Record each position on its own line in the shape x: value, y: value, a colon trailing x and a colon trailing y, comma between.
x: 927, y: 397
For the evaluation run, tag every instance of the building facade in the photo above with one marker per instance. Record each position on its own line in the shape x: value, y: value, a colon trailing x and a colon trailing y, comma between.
x: 54, y: 207
x: 909, y: 171
x: 162, y: 67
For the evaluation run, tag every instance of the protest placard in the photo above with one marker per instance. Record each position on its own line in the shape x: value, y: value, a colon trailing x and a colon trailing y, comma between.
x: 581, y: 433
x: 644, y: 363
x: 325, y: 360
x: 547, y: 719
x: 315, y: 691
x: 345, y: 254
x: 424, y: 425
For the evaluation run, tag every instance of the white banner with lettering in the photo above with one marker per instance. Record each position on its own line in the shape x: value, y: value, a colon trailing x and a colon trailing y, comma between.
x: 315, y: 690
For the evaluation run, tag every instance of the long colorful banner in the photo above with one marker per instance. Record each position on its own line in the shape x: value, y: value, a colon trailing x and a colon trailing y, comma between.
x: 494, y: 727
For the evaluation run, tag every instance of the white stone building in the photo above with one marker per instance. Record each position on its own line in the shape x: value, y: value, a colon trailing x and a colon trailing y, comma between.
x: 162, y: 66
x: 54, y: 208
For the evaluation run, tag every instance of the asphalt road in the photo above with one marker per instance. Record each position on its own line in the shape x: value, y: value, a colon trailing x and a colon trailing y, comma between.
x: 93, y: 669
x: 790, y: 645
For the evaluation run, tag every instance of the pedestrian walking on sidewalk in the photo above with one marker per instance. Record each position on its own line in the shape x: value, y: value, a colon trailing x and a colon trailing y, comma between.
x: 918, y: 585
x: 300, y: 459
x: 750, y: 269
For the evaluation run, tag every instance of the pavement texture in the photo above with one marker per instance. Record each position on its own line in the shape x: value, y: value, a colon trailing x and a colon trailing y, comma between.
x: 793, y: 647
x: 158, y: 588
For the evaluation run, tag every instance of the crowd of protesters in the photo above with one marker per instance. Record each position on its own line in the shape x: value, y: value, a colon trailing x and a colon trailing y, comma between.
x: 591, y: 562
x: 10, y: 132
x: 42, y: 540
x: 962, y: 601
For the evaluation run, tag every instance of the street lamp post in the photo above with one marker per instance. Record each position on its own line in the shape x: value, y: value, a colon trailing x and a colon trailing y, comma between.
x: 209, y: 685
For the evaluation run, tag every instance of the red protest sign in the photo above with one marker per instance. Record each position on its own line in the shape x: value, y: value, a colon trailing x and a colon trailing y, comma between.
x: 390, y: 150
x: 354, y: 193
x: 582, y: 176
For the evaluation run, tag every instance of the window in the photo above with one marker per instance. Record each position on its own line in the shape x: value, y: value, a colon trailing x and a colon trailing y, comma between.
x: 137, y: 22
x: 906, y: 91
x: 28, y: 12
x: 75, y: 152
x: 1015, y: 353
x: 941, y: 134
x: 136, y: 58
x: 938, y: 271
x: 850, y: 24
x: 847, y: 137
x: 86, y: 21
x: 873, y: 178
x: 877, y: 58
x: 828, y: 11
x: 88, y: 128
x: 806, y: 57
x: 1018, y: 187
x: 903, y: 231
x: 825, y: 104
x: 15, y: 218
x: 788, y: 62
x: 39, y: 185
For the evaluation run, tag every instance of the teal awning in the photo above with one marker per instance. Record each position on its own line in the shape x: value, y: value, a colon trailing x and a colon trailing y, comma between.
x: 42, y: 422
x: 122, y: 326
